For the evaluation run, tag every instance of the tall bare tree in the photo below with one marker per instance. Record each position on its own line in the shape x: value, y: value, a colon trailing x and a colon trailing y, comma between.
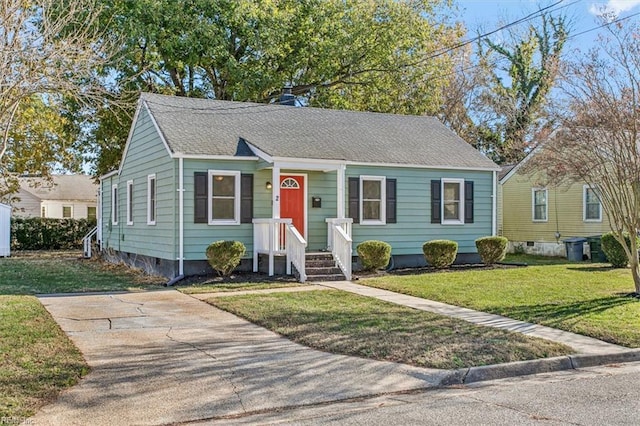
x: 51, y: 51
x: 599, y: 141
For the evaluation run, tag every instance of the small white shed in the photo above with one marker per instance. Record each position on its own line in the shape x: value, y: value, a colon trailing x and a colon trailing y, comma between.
x: 5, y: 230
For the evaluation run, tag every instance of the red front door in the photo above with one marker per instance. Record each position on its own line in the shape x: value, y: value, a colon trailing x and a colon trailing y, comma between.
x: 292, y: 200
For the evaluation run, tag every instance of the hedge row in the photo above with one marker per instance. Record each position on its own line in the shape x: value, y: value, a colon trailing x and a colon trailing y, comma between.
x: 36, y: 233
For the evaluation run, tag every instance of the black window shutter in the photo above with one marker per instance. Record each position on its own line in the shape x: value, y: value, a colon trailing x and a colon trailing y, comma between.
x: 391, y: 201
x: 468, y: 201
x: 246, y: 198
x: 201, y: 191
x: 354, y: 199
x: 436, y: 200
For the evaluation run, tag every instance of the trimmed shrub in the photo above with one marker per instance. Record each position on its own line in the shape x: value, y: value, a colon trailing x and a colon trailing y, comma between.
x: 492, y: 249
x: 374, y: 254
x: 36, y: 233
x: 440, y: 253
x: 614, y: 251
x: 224, y: 256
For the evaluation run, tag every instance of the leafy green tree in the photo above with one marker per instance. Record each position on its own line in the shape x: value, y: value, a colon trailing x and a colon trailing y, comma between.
x: 523, y: 70
x: 374, y: 55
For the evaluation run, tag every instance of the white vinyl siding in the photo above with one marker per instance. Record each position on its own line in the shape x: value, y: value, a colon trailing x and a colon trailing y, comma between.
x: 130, y: 202
x: 592, y: 209
x: 151, y: 199
x: 224, y: 200
x: 452, y: 201
x: 539, y: 204
x: 373, y: 200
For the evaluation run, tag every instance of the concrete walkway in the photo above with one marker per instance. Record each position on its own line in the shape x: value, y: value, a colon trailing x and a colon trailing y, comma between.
x: 164, y: 357
x: 582, y: 344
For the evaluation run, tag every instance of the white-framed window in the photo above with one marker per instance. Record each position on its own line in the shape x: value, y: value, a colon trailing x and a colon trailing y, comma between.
x: 592, y: 209
x: 151, y: 199
x: 114, y: 204
x: 43, y: 212
x: 372, y: 200
x: 129, y: 202
x: 539, y: 204
x: 224, y: 200
x: 67, y: 212
x: 452, y: 201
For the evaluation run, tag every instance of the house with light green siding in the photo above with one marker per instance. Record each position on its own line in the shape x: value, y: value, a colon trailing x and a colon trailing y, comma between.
x: 289, y: 183
x: 537, y: 217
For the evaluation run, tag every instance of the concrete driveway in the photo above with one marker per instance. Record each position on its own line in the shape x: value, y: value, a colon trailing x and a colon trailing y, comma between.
x: 163, y: 358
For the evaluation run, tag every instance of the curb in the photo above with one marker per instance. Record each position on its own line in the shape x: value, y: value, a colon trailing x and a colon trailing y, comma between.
x: 465, y: 376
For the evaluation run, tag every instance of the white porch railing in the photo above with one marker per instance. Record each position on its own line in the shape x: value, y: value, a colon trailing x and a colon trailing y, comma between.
x: 344, y: 223
x: 341, y: 244
x: 86, y: 242
x: 296, y: 247
x: 279, y: 237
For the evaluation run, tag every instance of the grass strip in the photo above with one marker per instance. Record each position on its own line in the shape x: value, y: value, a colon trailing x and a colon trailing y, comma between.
x: 349, y: 324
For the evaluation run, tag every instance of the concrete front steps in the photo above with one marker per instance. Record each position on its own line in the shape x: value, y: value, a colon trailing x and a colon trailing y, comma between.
x: 321, y: 267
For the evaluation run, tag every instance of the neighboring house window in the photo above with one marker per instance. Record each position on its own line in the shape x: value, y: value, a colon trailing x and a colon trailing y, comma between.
x: 114, y: 204
x: 91, y: 213
x: 67, y: 212
x: 372, y: 203
x: 129, y: 202
x: 592, y: 207
x: 43, y: 213
x: 224, y: 201
x: 539, y: 204
x: 452, y: 201
x: 151, y: 199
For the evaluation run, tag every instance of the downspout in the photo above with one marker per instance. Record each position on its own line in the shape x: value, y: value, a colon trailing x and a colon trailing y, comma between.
x: 181, y: 216
x: 494, y: 203
x: 180, y: 224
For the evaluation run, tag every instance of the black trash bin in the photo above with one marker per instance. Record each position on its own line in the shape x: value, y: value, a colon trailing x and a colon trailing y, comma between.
x: 595, y: 247
x: 575, y: 248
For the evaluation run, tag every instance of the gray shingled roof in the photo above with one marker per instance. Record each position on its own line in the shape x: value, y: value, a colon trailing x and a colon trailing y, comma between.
x: 212, y: 127
x: 61, y: 187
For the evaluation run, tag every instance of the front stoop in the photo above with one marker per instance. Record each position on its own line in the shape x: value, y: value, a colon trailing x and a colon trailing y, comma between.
x: 322, y: 267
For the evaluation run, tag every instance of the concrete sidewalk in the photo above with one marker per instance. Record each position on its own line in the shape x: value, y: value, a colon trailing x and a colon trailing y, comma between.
x: 582, y: 344
x: 164, y: 357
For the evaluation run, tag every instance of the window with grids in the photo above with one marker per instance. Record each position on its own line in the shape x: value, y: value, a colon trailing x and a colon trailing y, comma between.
x: 540, y: 204
x: 67, y: 212
x: 130, y: 202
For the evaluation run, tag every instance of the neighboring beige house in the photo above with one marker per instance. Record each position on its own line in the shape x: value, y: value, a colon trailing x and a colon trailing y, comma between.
x: 537, y: 218
x: 62, y: 196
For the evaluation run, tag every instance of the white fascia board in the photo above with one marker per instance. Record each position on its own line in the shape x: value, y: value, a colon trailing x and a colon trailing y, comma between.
x: 108, y: 175
x: 420, y: 166
x: 214, y: 157
x: 260, y: 153
x: 155, y: 125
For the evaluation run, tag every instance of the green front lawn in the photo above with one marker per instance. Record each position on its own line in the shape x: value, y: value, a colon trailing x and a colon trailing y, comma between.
x: 585, y: 298
x: 46, y: 274
x: 37, y: 360
x: 349, y: 324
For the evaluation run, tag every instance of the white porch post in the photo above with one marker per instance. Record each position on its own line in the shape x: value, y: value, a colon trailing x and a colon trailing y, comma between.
x: 340, y: 192
x: 275, y: 210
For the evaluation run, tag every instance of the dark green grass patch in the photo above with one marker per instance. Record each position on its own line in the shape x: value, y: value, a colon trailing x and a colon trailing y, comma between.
x: 349, y: 324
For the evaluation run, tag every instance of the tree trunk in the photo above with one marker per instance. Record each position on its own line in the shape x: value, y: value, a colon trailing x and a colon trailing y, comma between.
x: 635, y: 268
